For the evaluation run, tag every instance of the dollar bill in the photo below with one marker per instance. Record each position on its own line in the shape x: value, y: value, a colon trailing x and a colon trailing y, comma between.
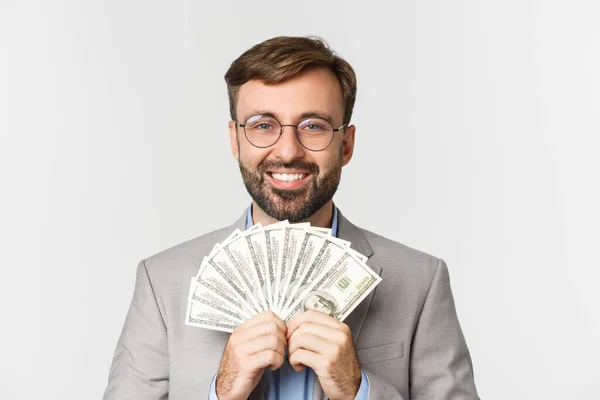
x: 256, y: 255
x: 331, y: 250
x: 259, y: 252
x: 221, y: 277
x: 285, y: 268
x: 237, y: 271
x: 240, y: 254
x: 202, y: 316
x: 338, y: 290
x: 234, y: 235
x: 314, y: 245
x: 205, y: 295
x: 324, y: 231
x: 292, y: 240
x: 274, y: 237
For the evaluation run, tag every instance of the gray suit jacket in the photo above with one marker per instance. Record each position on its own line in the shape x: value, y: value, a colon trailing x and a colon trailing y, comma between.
x: 406, y: 332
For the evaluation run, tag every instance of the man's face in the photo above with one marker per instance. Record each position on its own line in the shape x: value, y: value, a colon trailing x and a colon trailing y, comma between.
x: 315, y: 91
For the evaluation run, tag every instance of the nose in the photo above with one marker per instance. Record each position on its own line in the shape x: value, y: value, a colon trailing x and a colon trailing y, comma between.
x: 288, y: 148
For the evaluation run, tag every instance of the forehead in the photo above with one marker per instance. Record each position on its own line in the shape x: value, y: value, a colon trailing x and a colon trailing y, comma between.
x: 315, y: 90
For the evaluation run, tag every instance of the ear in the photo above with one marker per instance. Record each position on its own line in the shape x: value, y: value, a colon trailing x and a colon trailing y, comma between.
x: 348, y: 144
x: 235, y: 145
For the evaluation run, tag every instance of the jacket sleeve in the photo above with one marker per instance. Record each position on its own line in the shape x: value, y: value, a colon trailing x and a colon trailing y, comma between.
x: 441, y: 366
x: 380, y: 389
x: 140, y: 368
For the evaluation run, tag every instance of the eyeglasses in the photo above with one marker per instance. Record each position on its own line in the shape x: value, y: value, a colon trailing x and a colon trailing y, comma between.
x: 314, y: 134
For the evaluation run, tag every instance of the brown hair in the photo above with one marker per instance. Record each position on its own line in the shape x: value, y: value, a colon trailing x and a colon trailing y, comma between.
x: 278, y: 59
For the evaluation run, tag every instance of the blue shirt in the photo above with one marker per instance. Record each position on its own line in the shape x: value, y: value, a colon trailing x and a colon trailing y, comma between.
x: 285, y: 383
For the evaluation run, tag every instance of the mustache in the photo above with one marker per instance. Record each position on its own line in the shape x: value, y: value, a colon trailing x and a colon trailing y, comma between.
x: 267, y: 165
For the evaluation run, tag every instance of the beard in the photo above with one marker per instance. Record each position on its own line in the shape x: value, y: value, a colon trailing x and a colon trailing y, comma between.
x: 298, y: 204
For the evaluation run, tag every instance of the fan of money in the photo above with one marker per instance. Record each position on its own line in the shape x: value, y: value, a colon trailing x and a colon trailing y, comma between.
x: 286, y: 268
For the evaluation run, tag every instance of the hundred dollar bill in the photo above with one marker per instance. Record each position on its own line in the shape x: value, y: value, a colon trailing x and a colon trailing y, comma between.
x: 238, y: 276
x: 205, y: 295
x: 324, y: 231
x: 338, y: 290
x: 329, y: 250
x: 259, y: 251
x: 292, y: 240
x: 222, y: 278
x: 240, y: 254
x: 274, y: 248
x: 313, y: 245
x: 236, y: 234
x: 358, y: 255
x: 341, y: 242
x: 203, y: 316
x: 233, y: 235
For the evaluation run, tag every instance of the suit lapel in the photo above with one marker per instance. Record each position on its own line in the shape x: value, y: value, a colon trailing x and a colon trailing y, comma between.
x: 350, y: 232
x: 240, y: 223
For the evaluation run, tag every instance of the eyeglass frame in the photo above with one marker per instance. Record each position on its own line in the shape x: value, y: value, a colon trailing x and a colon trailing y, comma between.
x: 294, y: 126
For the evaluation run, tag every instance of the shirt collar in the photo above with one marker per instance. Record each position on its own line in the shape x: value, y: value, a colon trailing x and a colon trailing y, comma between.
x: 334, y: 221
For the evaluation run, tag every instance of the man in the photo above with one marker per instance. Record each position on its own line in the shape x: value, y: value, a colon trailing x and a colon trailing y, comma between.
x: 291, y: 100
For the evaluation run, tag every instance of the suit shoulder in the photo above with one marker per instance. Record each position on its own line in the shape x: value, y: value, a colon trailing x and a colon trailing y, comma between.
x: 382, y: 243
x: 400, y: 256
x: 186, y: 255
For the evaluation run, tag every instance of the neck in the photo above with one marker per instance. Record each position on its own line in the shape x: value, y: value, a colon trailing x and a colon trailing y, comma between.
x: 322, y: 218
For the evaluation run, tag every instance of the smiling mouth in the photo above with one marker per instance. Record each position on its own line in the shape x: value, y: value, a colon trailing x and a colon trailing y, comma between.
x: 287, y: 177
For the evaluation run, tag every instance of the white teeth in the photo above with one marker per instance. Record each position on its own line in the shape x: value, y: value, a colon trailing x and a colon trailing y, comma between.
x: 287, y: 177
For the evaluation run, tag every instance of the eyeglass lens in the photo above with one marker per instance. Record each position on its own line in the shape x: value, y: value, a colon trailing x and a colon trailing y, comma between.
x: 264, y: 131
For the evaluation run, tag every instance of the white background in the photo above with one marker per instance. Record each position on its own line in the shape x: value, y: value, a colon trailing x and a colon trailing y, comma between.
x: 477, y: 142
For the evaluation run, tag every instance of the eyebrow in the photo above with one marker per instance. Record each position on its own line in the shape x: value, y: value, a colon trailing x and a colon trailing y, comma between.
x: 303, y: 116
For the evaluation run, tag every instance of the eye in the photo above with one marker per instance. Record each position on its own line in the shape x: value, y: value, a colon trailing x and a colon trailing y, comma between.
x: 261, y: 123
x: 264, y: 126
x: 314, y: 126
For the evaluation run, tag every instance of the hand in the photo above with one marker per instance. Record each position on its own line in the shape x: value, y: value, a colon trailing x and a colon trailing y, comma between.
x: 253, y: 346
x: 324, y: 344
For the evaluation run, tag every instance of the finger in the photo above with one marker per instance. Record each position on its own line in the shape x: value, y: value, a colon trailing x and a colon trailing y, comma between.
x: 251, y: 322
x: 314, y: 317
x: 308, y: 341
x: 260, y: 329
x: 263, y: 317
x: 262, y: 343
x: 305, y: 357
x: 265, y: 359
x: 277, y: 360
x: 333, y: 335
